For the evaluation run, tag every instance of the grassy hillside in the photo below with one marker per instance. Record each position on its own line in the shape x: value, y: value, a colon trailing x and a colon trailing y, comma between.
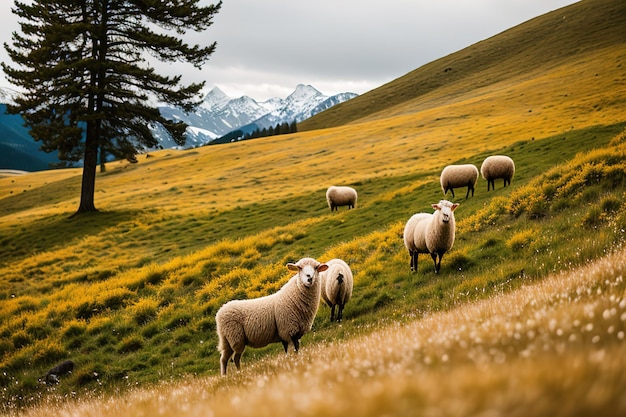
x: 130, y: 293
x: 557, y: 48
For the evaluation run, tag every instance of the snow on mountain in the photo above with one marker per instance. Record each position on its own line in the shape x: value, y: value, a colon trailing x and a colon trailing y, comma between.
x: 303, y: 103
x: 219, y: 114
x: 7, y: 95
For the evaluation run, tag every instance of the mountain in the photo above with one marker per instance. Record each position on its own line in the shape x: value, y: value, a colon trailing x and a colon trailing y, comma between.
x: 216, y: 116
x: 18, y: 150
x: 219, y: 114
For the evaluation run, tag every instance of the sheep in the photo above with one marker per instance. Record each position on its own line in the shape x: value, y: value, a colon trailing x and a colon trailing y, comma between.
x: 497, y: 166
x: 284, y: 316
x: 337, y: 283
x: 341, y: 196
x: 431, y: 233
x: 456, y: 176
x: 409, y: 237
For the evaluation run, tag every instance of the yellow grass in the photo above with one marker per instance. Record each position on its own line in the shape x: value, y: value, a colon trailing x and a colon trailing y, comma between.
x: 552, y: 348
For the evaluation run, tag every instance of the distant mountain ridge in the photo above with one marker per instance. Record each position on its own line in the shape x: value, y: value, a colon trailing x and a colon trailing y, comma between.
x: 215, y: 117
x: 220, y: 114
x: 18, y: 150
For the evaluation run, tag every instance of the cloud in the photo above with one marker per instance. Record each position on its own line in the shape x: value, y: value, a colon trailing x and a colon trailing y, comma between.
x: 264, y: 49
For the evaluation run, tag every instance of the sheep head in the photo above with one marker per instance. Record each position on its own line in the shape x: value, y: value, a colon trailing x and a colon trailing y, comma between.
x: 307, y: 270
x: 446, y: 208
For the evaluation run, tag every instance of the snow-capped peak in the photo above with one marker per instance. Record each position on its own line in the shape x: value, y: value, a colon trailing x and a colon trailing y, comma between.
x: 219, y: 115
x: 215, y: 100
x: 303, y: 92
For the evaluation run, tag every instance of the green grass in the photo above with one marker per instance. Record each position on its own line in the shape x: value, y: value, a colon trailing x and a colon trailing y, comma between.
x: 127, y: 319
x: 130, y: 293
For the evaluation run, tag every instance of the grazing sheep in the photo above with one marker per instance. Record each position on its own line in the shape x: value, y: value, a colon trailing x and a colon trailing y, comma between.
x: 341, y: 196
x: 497, y: 166
x: 432, y: 233
x: 284, y: 316
x: 409, y: 237
x: 337, y: 283
x: 456, y: 176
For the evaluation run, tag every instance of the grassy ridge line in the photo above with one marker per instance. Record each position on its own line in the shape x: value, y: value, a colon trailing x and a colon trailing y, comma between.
x: 550, y: 348
x: 538, y: 46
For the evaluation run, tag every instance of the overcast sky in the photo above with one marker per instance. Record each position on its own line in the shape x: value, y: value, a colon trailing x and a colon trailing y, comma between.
x: 266, y: 48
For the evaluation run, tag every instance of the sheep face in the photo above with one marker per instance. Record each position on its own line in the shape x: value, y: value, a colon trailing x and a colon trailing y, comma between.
x: 446, y: 208
x: 307, y: 271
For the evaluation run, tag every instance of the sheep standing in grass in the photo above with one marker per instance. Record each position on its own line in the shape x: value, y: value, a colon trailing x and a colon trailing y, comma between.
x: 410, y: 242
x: 341, y: 196
x: 337, y: 283
x: 431, y: 233
x: 497, y: 166
x: 456, y: 176
x: 284, y: 316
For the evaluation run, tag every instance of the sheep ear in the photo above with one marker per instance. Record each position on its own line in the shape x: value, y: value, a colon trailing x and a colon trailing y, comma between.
x: 436, y: 206
x: 322, y: 268
x: 454, y: 206
x: 292, y: 267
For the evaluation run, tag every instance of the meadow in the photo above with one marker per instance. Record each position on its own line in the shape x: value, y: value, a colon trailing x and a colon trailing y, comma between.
x: 527, y: 315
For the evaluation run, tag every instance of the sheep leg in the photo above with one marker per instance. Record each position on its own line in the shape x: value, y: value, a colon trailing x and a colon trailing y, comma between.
x: 227, y: 352
x: 413, y: 255
x: 237, y: 359
x: 340, y: 313
x: 452, y: 192
x: 437, y: 264
x: 332, y: 313
x: 469, y: 187
x: 285, y: 345
x: 296, y: 343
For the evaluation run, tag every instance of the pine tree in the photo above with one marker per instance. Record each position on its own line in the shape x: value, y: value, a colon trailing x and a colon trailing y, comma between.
x: 86, y: 79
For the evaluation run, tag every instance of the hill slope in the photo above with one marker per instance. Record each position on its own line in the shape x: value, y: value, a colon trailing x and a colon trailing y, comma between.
x: 541, y: 45
x: 130, y: 293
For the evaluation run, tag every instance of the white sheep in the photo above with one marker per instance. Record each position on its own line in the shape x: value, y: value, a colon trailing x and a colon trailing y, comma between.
x: 409, y: 237
x: 337, y: 283
x: 456, y: 176
x: 284, y: 316
x: 497, y: 166
x: 341, y: 196
x: 431, y: 233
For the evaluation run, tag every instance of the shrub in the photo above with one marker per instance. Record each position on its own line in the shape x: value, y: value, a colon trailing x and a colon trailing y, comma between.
x: 610, y: 204
x: 20, y: 339
x: 47, y: 352
x: 5, y: 347
x: 74, y: 328
x: 144, y: 311
x: 593, y: 217
x: 458, y: 261
x: 484, y: 217
x: 150, y: 330
x: 522, y: 239
x: 131, y: 343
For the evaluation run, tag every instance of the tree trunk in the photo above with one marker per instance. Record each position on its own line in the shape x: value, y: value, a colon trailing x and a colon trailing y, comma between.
x: 89, y: 170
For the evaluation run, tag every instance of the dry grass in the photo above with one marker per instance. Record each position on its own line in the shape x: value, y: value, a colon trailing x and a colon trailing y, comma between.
x: 551, y: 348
x: 131, y: 292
